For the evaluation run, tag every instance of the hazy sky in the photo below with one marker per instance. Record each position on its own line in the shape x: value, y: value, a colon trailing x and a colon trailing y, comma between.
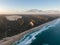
x: 18, y: 5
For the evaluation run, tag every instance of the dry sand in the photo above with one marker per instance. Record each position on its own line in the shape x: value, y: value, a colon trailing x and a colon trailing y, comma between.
x: 10, y: 40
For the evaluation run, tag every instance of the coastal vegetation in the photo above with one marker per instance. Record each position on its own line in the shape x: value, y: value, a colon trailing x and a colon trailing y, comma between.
x: 10, y: 28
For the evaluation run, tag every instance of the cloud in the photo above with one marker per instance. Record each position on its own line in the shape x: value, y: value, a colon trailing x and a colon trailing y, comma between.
x: 33, y: 11
x: 10, y: 11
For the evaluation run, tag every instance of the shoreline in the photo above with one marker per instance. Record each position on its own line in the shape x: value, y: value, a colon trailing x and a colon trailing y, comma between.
x: 10, y: 40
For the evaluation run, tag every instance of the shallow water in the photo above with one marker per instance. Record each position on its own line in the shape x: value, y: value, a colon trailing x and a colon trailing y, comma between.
x: 47, y: 35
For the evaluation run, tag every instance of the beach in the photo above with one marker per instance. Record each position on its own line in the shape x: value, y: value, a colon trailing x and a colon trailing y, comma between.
x: 10, y: 40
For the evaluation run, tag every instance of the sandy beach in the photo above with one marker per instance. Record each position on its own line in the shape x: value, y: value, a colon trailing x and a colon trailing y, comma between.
x: 10, y: 40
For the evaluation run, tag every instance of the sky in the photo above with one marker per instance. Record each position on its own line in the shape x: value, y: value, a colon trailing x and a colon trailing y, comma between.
x: 13, y: 6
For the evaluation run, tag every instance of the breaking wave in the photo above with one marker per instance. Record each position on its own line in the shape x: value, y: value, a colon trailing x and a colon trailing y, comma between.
x: 47, y: 35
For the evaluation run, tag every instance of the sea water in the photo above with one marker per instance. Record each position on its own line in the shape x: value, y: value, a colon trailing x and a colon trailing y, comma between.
x: 47, y: 35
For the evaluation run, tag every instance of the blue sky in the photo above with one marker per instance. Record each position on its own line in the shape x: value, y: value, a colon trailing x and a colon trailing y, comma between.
x: 29, y: 4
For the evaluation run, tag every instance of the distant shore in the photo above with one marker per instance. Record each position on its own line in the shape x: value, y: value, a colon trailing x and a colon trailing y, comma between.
x: 10, y: 40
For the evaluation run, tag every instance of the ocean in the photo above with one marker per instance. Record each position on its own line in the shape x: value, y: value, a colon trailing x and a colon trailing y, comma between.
x: 47, y: 35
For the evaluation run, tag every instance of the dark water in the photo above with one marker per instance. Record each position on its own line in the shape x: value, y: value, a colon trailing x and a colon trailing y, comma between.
x: 48, y: 35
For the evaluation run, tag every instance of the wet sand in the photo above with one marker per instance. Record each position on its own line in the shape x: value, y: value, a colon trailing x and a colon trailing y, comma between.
x: 10, y: 40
